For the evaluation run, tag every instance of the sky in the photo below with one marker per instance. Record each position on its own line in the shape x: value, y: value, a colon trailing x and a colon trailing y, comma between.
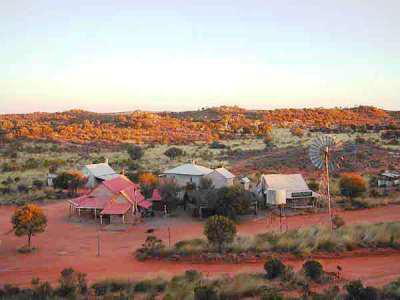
x: 112, y: 56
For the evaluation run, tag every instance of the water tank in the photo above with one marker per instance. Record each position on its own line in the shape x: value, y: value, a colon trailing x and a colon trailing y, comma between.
x: 280, y: 197
x: 276, y: 197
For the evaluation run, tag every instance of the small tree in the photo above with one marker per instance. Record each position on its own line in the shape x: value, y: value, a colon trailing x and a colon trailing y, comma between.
x: 352, y: 185
x: 297, y: 131
x: 220, y: 231
x: 170, y: 194
x: 274, y: 268
x: 29, y: 220
x: 135, y: 152
x: 70, y: 180
x: 268, y: 141
x: 337, y: 221
x: 313, y: 270
x: 173, y: 152
x: 72, y: 283
x: 148, y: 178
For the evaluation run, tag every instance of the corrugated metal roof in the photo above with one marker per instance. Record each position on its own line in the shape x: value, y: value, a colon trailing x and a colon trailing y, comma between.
x: 391, y: 174
x: 100, y: 170
x: 289, y: 182
x: 119, y: 183
x: 189, y: 169
x: 224, y: 172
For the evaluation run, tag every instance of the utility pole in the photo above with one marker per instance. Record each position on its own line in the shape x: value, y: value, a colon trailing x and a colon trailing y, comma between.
x: 169, y: 237
x: 98, y: 243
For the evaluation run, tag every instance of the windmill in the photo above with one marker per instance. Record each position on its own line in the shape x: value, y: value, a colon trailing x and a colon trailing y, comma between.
x: 325, y: 156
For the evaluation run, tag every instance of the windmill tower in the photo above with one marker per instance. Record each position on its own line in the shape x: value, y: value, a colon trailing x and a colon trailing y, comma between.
x: 322, y: 154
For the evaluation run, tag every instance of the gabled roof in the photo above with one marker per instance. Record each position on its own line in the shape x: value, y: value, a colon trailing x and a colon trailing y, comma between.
x: 88, y: 201
x: 289, y: 182
x: 225, y: 173
x: 189, y: 169
x: 102, y: 171
x: 391, y: 174
x: 119, y: 184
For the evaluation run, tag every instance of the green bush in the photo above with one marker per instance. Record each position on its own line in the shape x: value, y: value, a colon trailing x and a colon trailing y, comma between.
x: 313, y: 270
x: 274, y: 268
x: 205, y: 293
x: 220, y: 231
x: 357, y: 291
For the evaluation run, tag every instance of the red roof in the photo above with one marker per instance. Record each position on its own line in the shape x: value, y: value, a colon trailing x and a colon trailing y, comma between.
x: 119, y: 183
x: 88, y: 201
x: 115, y: 208
x: 145, y: 204
x: 156, y: 195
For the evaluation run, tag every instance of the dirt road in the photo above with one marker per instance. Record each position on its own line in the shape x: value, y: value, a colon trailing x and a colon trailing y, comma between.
x: 67, y: 244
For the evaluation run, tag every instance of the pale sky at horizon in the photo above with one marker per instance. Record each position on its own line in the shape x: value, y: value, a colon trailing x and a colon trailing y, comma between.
x: 176, y: 55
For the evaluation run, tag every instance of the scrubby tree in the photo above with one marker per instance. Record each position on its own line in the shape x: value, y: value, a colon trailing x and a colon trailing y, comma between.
x: 297, y: 131
x: 313, y: 270
x: 72, y: 283
x: 170, y: 195
x: 29, y: 220
x: 268, y: 141
x: 148, y: 179
x: 135, y: 152
x: 220, y: 231
x: 274, y: 268
x: 70, y: 180
x: 173, y: 152
x: 205, y: 293
x: 352, y: 185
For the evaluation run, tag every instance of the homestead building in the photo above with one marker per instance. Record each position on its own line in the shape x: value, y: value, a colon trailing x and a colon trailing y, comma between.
x: 298, y: 194
x: 114, y: 199
x: 97, y: 173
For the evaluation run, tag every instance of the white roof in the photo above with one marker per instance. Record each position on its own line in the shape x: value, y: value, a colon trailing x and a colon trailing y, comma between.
x: 291, y: 182
x: 189, y: 169
x: 102, y: 171
x: 224, y: 172
x: 288, y: 182
x: 391, y: 174
x: 245, y: 180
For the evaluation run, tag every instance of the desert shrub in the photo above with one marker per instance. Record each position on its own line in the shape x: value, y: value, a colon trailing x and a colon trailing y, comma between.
x: 357, y: 291
x: 170, y: 195
x: 31, y: 163
x: 313, y: 270
x: 392, y: 290
x: 152, y: 246
x: 219, y: 231
x: 41, y: 290
x: 268, y: 141
x: 173, y: 152
x: 37, y: 183
x: 271, y: 295
x: 22, y: 188
x: 190, y: 247
x: 150, y: 285
x: 297, y: 131
x: 274, y: 268
x: 313, y: 185
x: 352, y: 185
x: 205, y: 293
x: 135, y: 152
x: 217, y: 145
x: 72, y: 283
x: 337, y: 221
x: 104, y: 287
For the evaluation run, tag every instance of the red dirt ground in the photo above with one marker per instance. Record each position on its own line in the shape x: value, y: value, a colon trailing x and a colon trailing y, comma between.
x: 67, y: 244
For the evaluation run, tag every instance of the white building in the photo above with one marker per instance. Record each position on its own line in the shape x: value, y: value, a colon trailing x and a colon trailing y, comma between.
x: 221, y: 177
x: 187, y: 173
x: 298, y: 194
x: 97, y: 173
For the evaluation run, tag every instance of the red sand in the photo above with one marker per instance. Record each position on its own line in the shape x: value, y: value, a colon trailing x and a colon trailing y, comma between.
x: 66, y: 244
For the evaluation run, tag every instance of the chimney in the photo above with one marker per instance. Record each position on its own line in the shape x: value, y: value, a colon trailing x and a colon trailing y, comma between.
x: 106, y: 161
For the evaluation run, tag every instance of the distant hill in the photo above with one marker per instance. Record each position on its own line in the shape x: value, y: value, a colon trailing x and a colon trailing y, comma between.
x: 209, y: 124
